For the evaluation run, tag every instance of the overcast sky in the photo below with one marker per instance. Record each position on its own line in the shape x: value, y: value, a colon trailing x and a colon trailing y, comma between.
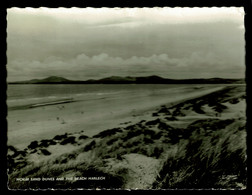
x: 91, y: 43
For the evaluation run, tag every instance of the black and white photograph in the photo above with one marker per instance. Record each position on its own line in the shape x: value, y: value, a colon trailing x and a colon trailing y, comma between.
x: 126, y: 98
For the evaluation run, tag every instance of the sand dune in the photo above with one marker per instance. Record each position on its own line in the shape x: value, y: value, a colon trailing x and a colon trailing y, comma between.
x: 196, y: 142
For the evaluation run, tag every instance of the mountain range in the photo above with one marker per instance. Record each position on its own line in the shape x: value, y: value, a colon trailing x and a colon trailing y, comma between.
x: 130, y: 80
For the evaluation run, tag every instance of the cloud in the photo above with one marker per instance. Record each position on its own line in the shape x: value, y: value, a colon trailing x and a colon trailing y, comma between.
x: 94, y: 43
x: 109, y: 16
x: 102, y: 65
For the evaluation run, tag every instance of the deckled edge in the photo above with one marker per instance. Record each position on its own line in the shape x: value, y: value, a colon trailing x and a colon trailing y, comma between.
x: 3, y: 84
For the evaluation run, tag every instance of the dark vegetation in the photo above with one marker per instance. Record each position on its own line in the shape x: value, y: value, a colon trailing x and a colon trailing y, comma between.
x: 213, y: 156
x: 108, y: 132
x: 69, y: 140
x: 214, y: 100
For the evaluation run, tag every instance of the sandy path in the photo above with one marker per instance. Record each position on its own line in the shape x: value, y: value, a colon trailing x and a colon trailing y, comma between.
x: 142, y: 170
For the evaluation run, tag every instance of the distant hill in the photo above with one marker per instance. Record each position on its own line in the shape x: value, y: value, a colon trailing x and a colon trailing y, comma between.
x: 131, y: 80
x: 51, y: 79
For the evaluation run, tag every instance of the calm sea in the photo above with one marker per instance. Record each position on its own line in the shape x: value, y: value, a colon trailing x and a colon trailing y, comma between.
x: 18, y: 95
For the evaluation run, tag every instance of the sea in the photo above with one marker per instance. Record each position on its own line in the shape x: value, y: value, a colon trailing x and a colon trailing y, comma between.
x: 28, y: 94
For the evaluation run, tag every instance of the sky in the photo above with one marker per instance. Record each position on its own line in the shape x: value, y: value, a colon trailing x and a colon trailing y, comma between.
x: 93, y: 43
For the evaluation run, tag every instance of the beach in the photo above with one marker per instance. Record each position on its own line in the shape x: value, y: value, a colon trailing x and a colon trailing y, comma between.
x: 92, y: 115
x: 128, y: 138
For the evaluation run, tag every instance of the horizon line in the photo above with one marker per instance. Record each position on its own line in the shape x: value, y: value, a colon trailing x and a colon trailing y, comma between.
x: 126, y: 77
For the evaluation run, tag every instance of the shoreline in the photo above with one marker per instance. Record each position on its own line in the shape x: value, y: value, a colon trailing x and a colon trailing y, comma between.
x: 47, y: 103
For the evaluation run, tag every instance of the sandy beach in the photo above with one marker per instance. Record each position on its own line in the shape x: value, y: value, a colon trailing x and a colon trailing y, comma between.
x: 130, y: 142
x: 44, y: 122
